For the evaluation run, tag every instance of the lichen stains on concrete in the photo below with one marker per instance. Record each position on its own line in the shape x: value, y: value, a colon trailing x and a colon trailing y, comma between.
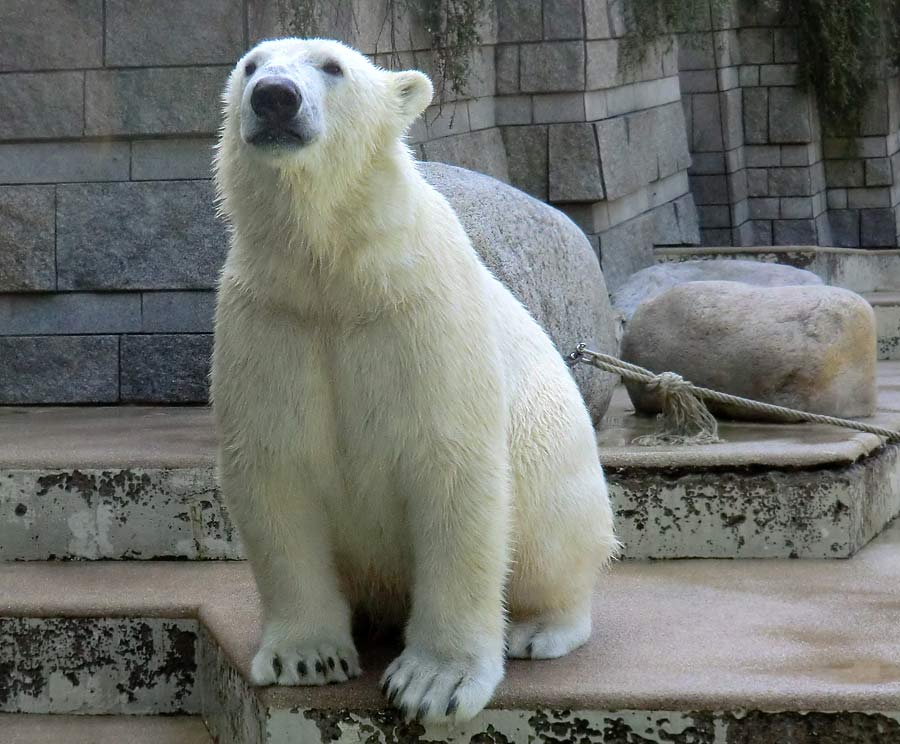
x: 540, y: 726
x: 129, y: 513
x: 99, y: 665
x: 75, y: 480
x: 812, y: 728
x: 375, y: 726
x: 629, y: 727
x: 755, y: 513
x: 118, y: 487
x: 545, y: 726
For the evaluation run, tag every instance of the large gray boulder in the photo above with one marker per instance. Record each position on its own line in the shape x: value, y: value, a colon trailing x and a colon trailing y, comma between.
x: 651, y: 282
x: 810, y: 348
x: 544, y: 259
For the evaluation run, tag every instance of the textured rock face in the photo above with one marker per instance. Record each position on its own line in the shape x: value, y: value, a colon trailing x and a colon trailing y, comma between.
x: 654, y: 280
x: 811, y: 348
x: 544, y: 259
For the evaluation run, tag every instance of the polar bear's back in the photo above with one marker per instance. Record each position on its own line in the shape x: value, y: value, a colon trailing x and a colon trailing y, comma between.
x: 545, y: 260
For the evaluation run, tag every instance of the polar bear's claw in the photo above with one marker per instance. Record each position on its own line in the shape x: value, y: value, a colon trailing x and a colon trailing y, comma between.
x: 302, y: 664
x: 433, y: 690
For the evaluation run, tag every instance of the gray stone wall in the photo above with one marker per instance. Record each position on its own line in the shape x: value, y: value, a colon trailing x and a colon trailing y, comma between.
x: 603, y: 140
x: 109, y: 246
x: 763, y: 173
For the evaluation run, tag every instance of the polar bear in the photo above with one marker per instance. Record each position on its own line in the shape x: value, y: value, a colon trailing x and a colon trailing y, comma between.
x: 397, y: 435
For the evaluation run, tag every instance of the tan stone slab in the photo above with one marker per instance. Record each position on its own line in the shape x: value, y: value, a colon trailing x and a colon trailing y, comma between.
x: 171, y: 589
x: 111, y: 436
x: 686, y: 635
x: 27, y: 728
x: 123, y: 436
x: 749, y: 444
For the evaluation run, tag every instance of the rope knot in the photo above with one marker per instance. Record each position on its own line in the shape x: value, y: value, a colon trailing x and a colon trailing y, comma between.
x: 684, y: 418
x: 669, y: 383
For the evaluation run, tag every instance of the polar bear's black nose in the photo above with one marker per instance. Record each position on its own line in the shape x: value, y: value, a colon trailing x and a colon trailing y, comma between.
x: 276, y: 99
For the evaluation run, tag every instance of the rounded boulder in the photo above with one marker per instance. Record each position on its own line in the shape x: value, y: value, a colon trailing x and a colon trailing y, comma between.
x: 544, y: 259
x: 812, y: 348
x: 651, y: 282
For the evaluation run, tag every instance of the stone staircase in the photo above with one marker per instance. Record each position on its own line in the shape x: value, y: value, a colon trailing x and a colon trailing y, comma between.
x: 125, y: 616
x: 690, y: 651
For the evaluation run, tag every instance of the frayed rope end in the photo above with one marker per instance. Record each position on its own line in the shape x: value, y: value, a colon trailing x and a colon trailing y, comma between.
x: 684, y: 420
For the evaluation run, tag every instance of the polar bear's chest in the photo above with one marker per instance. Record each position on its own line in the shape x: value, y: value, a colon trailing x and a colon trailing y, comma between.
x: 376, y: 433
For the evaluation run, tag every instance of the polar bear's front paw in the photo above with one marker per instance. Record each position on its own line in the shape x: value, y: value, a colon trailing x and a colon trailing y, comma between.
x: 435, y: 690
x: 304, y: 663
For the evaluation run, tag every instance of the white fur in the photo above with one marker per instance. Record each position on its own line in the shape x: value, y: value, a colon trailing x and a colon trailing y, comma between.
x: 397, y: 433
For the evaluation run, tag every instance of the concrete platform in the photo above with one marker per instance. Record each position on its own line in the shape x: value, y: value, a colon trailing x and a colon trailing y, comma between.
x: 37, y: 729
x: 721, y: 651
x: 861, y: 270
x: 138, y: 483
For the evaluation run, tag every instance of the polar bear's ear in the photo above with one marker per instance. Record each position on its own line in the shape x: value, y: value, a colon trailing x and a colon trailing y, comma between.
x: 414, y: 91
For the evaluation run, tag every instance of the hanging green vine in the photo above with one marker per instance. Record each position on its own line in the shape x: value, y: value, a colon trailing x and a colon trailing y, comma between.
x: 451, y: 24
x: 844, y: 45
x: 844, y: 49
x: 649, y: 21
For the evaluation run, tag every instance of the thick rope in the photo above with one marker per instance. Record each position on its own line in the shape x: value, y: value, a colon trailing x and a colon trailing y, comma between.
x: 686, y: 420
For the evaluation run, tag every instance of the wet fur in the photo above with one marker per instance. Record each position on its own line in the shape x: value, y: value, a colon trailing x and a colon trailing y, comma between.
x: 397, y: 433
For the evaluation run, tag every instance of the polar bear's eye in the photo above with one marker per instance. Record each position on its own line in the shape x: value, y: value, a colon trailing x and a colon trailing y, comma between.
x: 249, y: 68
x: 332, y: 68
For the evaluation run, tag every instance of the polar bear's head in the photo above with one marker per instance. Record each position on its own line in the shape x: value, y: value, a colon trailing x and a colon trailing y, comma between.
x: 296, y: 102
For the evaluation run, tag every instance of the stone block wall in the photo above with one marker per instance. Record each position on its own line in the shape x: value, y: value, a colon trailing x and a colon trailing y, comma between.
x: 601, y: 139
x: 763, y: 172
x: 862, y: 174
x: 109, y: 244
x: 109, y: 247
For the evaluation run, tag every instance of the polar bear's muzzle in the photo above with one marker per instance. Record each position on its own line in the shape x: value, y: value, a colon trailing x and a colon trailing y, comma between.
x: 276, y: 100
x: 277, y: 112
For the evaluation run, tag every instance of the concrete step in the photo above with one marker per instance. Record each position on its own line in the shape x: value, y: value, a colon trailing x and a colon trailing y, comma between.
x: 138, y: 483
x: 887, y: 322
x: 694, y: 651
x: 861, y: 270
x: 38, y: 729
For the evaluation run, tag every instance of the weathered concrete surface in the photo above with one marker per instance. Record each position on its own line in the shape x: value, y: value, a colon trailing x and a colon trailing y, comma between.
x: 810, y: 348
x: 74, y: 729
x: 137, y: 513
x: 651, y: 282
x: 98, y: 665
x: 148, y: 487
x: 755, y: 513
x: 230, y: 705
x: 674, y: 513
x: 850, y: 268
x: 555, y: 726
x: 687, y: 651
x: 887, y: 323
